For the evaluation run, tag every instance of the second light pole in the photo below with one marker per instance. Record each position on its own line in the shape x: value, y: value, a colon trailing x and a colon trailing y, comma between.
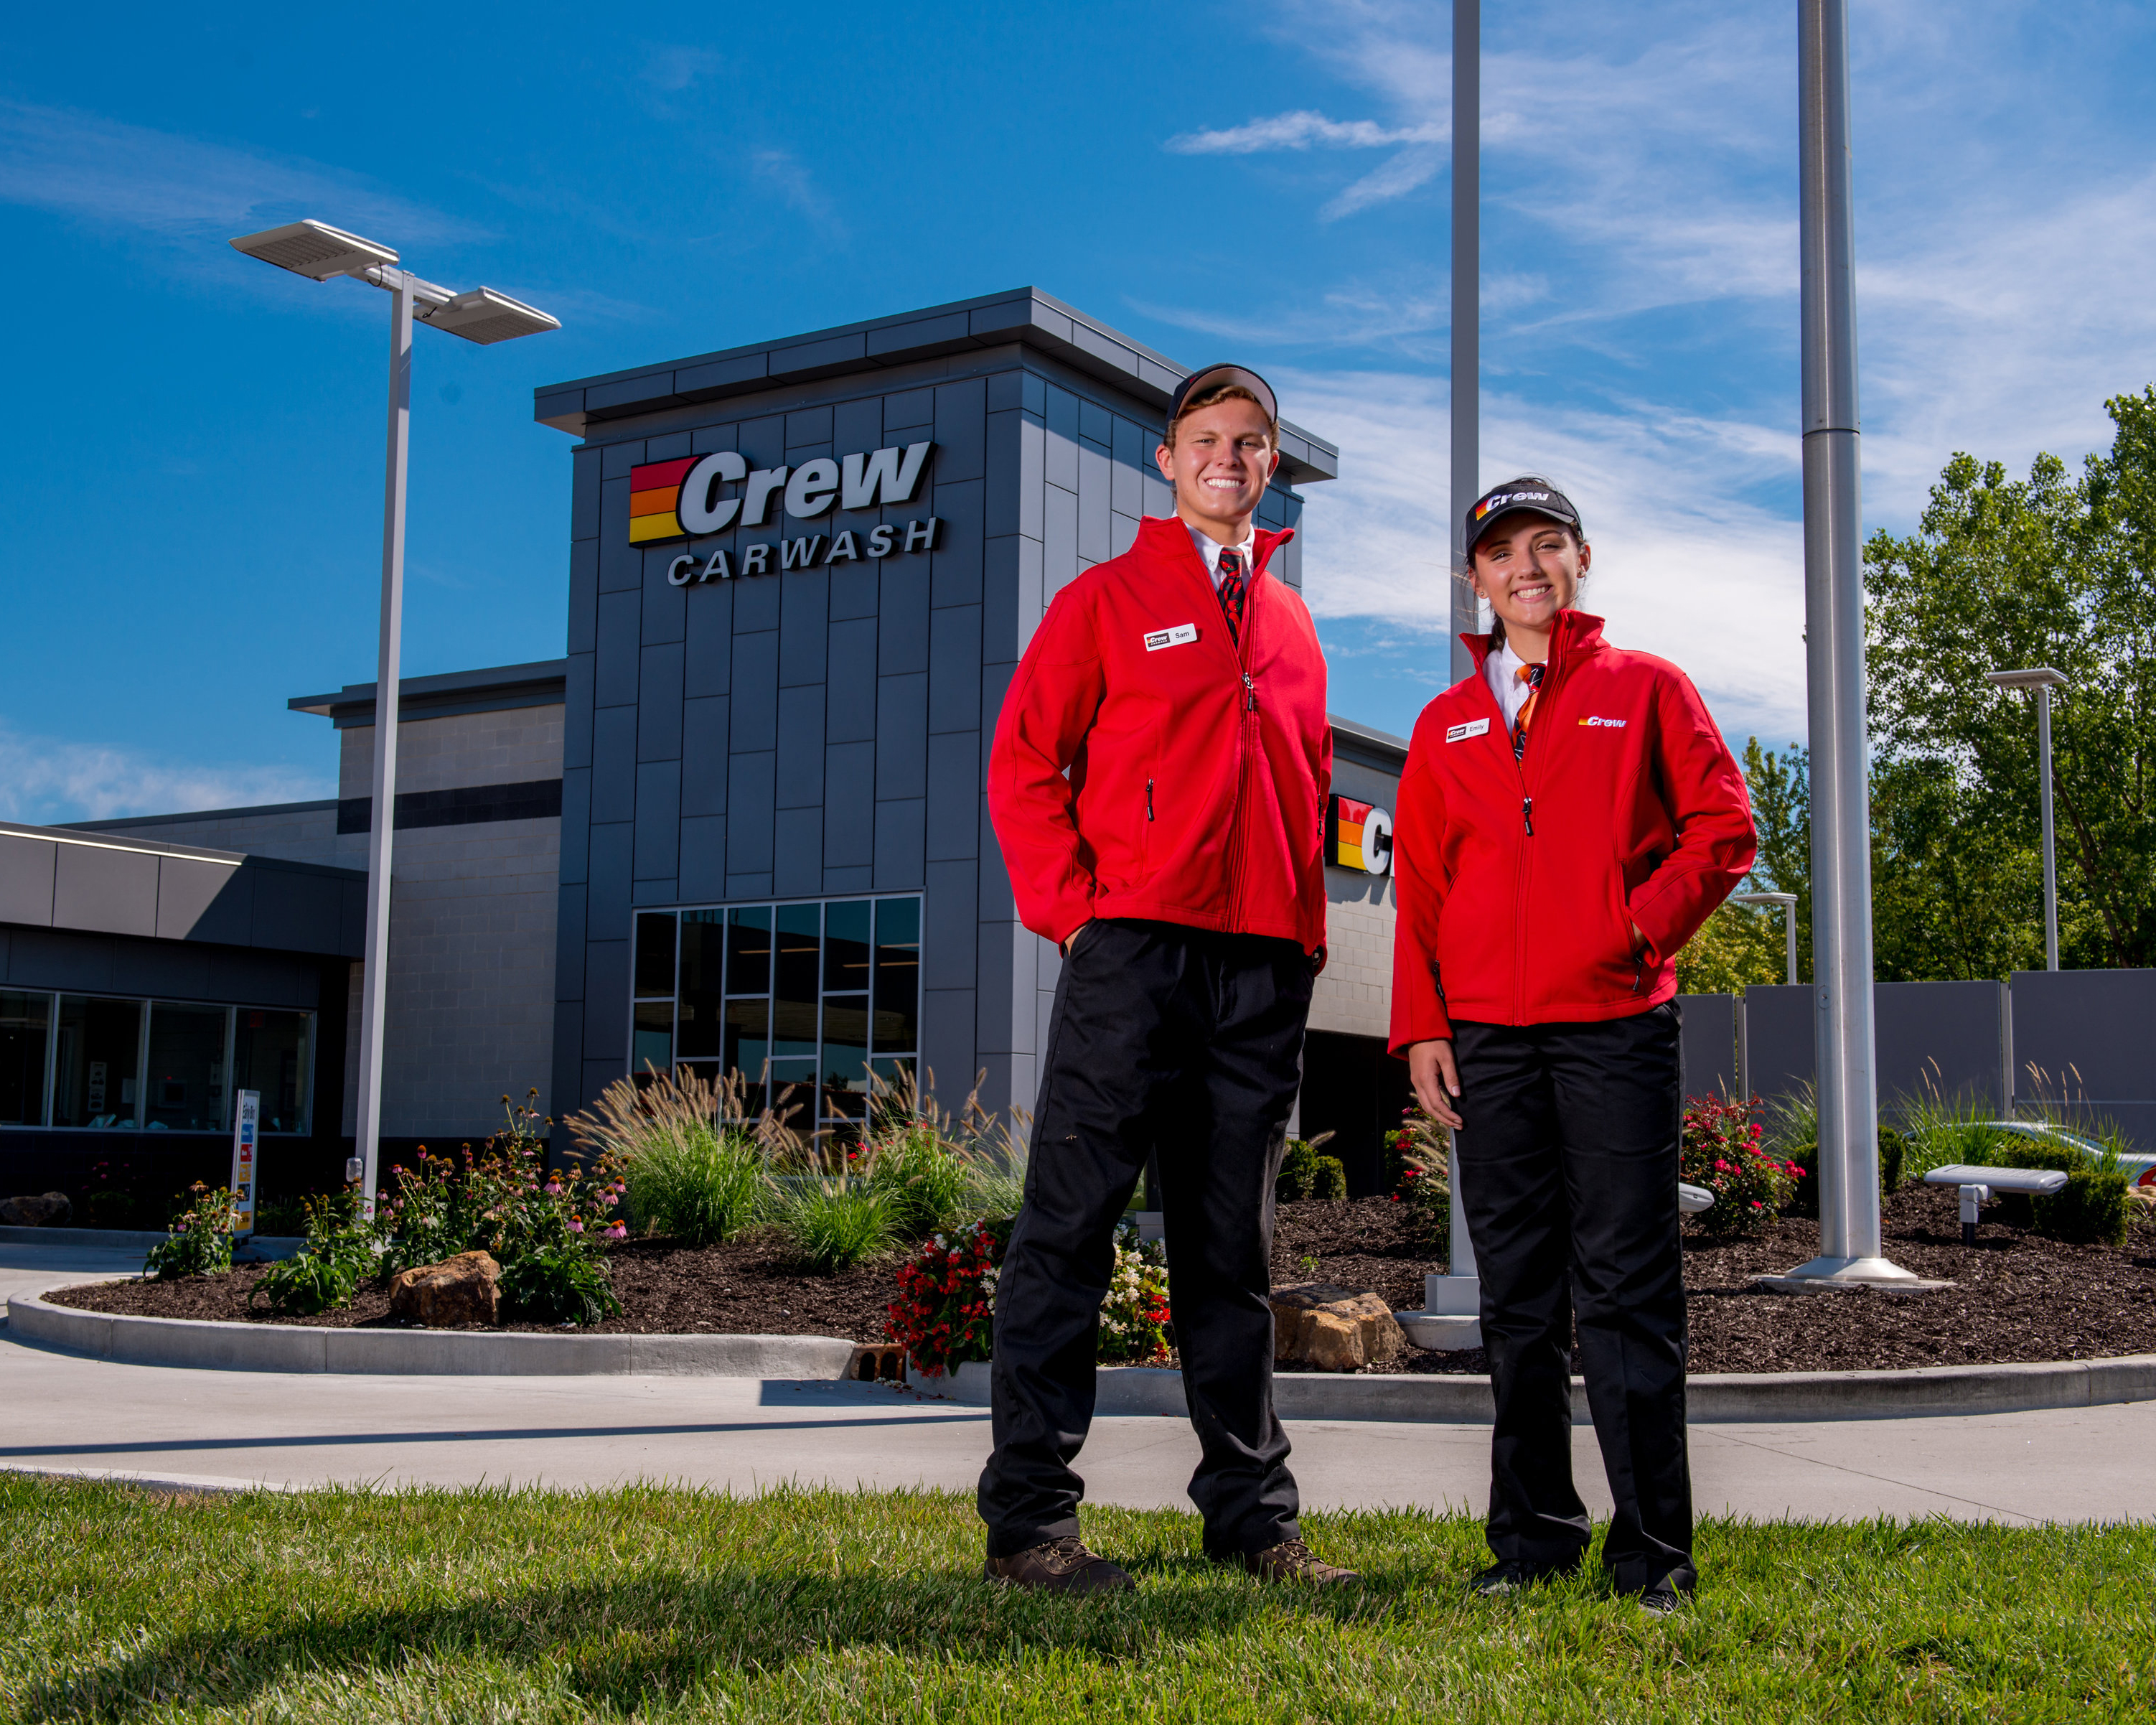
x: 2043, y: 680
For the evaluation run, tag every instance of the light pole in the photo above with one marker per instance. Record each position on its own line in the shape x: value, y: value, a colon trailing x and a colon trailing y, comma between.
x: 1788, y: 901
x: 319, y: 252
x: 1466, y: 311
x: 1833, y: 631
x: 2043, y: 680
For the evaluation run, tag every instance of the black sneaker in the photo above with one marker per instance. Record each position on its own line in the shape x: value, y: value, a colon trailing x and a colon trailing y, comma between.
x: 1060, y: 1566
x: 1509, y: 1577
x: 1664, y: 1601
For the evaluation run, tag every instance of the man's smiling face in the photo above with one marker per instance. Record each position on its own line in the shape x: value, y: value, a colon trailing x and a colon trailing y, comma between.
x: 1220, y: 464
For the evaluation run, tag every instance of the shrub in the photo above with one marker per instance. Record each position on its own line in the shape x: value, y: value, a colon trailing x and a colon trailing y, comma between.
x: 1134, y: 1317
x: 558, y: 1284
x: 926, y: 1188
x: 1792, y: 1138
x: 1419, y: 1151
x: 695, y: 1166
x: 835, y: 1221
x: 1300, y: 1175
x: 1330, y: 1180
x: 944, y: 1315
x: 941, y: 1170
x: 342, y: 1250
x: 1721, y: 1149
x: 199, y: 1242
x: 2092, y: 1209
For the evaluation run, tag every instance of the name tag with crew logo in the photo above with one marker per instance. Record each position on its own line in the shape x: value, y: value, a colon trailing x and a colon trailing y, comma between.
x: 1180, y: 636
x: 1473, y: 728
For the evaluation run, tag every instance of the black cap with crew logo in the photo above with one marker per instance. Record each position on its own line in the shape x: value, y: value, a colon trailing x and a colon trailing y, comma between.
x: 1534, y: 495
x: 1214, y: 377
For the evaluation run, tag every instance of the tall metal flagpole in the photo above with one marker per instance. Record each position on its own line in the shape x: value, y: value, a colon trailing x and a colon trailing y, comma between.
x: 382, y: 827
x: 1833, y: 620
x: 2050, y: 846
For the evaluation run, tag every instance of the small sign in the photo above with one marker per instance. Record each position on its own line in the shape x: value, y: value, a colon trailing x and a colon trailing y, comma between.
x: 1357, y: 836
x: 1180, y: 636
x: 246, y: 1129
x: 1473, y: 728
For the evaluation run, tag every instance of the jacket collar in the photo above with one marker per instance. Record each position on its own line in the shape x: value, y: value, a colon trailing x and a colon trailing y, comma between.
x: 1168, y: 535
x: 1577, y: 634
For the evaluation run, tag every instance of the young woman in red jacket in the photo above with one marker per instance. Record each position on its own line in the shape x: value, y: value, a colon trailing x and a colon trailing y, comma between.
x: 1570, y: 815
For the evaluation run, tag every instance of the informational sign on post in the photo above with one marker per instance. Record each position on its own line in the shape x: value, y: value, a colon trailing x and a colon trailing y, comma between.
x: 246, y: 1129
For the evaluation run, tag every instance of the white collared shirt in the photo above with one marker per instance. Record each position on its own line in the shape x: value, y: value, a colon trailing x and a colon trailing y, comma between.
x: 1210, y: 548
x: 1500, y: 670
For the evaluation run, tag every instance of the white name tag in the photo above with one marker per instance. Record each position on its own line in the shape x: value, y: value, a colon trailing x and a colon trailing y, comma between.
x: 1180, y: 635
x: 1473, y: 728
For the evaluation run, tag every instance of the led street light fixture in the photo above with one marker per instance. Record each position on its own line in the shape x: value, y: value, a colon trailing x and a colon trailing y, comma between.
x: 485, y: 316
x: 314, y: 250
x: 2039, y: 676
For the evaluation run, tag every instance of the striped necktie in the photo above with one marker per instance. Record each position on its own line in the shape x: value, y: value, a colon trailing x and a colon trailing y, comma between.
x: 1532, y: 676
x: 1232, y: 592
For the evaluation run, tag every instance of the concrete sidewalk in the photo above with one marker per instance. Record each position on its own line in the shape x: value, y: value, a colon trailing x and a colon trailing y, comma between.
x: 70, y: 1413
x: 35, y: 1269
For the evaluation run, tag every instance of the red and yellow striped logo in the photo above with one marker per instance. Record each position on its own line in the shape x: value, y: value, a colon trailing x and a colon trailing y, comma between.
x: 654, y: 500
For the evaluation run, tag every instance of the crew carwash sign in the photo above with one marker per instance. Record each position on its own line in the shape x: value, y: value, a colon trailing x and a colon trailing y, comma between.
x: 693, y: 497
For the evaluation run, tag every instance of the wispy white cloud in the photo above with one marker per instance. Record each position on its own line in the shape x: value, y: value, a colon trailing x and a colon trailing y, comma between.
x: 787, y: 175
x: 1303, y: 129
x: 1687, y: 562
x: 673, y: 67
x: 110, y: 173
x: 44, y: 780
x: 1396, y: 178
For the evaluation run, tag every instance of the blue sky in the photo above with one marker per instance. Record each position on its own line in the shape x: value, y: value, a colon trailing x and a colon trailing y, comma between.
x: 190, y: 524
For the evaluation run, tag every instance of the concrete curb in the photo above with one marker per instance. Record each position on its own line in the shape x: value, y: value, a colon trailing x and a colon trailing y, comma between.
x: 216, y: 1482
x: 279, y: 1348
x: 1766, y: 1398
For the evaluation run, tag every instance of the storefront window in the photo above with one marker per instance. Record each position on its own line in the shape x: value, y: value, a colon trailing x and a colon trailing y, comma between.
x: 270, y: 1056
x: 25, y: 1024
x: 184, y: 1081
x: 95, y: 1082
x: 804, y: 996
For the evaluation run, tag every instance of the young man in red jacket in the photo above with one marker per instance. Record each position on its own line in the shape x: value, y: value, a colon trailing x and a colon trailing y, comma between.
x: 1569, y: 816
x: 1158, y: 785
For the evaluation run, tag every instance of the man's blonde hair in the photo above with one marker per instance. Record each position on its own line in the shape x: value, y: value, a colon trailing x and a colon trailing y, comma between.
x: 1212, y: 398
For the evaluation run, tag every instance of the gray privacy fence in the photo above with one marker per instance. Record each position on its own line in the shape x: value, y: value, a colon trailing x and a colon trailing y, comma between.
x: 2082, y: 1041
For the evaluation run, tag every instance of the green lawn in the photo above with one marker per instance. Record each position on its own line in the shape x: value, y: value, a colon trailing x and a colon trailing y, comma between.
x: 664, y: 1604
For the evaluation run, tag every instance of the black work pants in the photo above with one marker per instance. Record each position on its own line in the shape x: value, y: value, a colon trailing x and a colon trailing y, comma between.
x: 1186, y: 1043
x: 1569, y: 1177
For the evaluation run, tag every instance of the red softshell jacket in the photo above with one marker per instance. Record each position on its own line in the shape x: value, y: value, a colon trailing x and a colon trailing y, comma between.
x: 1516, y: 880
x: 1148, y: 765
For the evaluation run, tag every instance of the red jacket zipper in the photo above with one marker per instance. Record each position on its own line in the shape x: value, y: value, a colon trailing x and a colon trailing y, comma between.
x: 1244, y: 740
x: 1544, y: 699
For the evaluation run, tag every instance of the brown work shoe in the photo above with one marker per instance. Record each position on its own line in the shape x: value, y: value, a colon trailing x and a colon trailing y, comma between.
x: 1291, y: 1560
x: 1060, y: 1566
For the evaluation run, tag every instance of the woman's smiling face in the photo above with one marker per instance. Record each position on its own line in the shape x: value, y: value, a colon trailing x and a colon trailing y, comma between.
x: 1528, y: 568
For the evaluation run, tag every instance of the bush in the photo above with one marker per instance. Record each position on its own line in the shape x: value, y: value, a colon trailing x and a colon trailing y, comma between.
x: 835, y: 1221
x: 1330, y: 1180
x: 941, y: 1171
x: 1419, y: 1155
x: 1721, y: 1149
x: 342, y: 1250
x: 926, y: 1188
x: 1792, y: 1138
x: 1301, y: 1174
x: 1134, y: 1317
x: 558, y: 1284
x: 944, y: 1313
x: 2092, y: 1209
x: 695, y: 1166
x: 199, y: 1242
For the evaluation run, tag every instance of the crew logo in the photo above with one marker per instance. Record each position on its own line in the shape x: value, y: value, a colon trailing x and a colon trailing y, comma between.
x: 1357, y: 836
x: 696, y: 494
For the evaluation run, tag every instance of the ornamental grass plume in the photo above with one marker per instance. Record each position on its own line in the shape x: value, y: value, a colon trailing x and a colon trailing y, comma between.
x: 694, y: 1157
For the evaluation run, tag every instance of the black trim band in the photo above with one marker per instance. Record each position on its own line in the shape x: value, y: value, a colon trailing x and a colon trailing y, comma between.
x: 536, y: 799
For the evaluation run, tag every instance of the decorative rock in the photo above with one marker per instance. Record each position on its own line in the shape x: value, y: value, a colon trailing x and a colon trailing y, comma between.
x: 1334, y: 1328
x: 48, y: 1211
x: 462, y: 1290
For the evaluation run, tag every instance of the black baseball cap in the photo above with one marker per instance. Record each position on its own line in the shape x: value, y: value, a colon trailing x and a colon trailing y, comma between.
x: 1213, y: 378
x: 1535, y: 494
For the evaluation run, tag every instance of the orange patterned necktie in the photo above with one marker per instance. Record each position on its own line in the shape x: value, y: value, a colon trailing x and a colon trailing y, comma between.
x: 1532, y: 676
x: 1231, y: 592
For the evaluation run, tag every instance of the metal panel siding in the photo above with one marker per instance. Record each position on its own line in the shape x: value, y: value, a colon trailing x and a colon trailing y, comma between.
x: 617, y: 459
x: 909, y: 409
x: 664, y: 616
x: 903, y: 737
x: 961, y: 427
x: 1096, y: 423
x: 2089, y: 1032
x: 850, y: 693
x: 703, y: 857
x: 704, y: 757
x: 1005, y: 464
x: 902, y: 620
x: 614, y: 764
x: 796, y: 863
x: 849, y: 795
x: 585, y: 477
x: 763, y: 441
x: 809, y: 425
x: 583, y: 595
x: 112, y: 890
x: 607, y: 892
x: 658, y: 707
x: 658, y: 819
x: 606, y: 1002
x: 203, y: 900
x: 857, y: 425
x: 708, y: 667
x: 708, y: 440
x: 899, y: 828
x: 569, y: 935
x: 27, y: 867
x: 800, y: 766
x: 576, y: 823
x: 855, y: 589
x: 621, y: 564
x: 577, y: 709
x: 1060, y: 449
x: 621, y: 650
x: 755, y: 712
x: 1093, y: 510
x: 954, y: 792
x: 956, y: 561
x: 950, y: 926
x: 750, y: 806
x: 954, y: 668
x: 946, y: 1039
x: 1709, y: 1044
x: 1945, y: 1035
x: 567, y: 1077
x: 804, y: 618
x: 1059, y: 541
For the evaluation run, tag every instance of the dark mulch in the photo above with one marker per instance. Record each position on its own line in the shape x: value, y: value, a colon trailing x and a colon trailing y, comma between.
x: 2018, y: 1297
x: 752, y: 1286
